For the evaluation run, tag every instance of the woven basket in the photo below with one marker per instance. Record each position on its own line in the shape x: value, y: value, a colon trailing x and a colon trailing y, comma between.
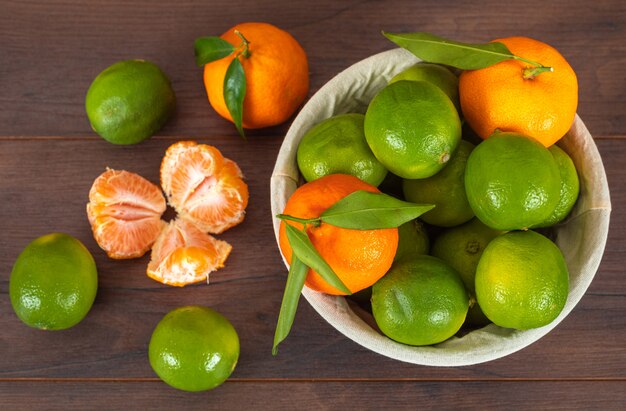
x: 581, y: 237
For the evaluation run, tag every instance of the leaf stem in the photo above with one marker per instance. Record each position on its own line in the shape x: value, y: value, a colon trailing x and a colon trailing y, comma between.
x: 244, y: 43
x: 530, y: 73
x: 313, y: 221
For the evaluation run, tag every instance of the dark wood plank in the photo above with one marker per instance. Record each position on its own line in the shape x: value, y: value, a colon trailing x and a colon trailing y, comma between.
x: 55, y: 49
x: 305, y: 395
x: 44, y: 188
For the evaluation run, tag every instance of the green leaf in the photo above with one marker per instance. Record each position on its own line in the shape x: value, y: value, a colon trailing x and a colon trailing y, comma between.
x: 208, y: 49
x: 464, y: 56
x: 293, y: 289
x: 363, y: 210
x: 306, y: 252
x: 234, y: 92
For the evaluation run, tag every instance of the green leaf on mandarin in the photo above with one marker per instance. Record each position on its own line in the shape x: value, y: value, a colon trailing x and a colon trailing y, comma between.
x: 295, y: 281
x: 234, y: 92
x: 363, y: 210
x: 304, y: 249
x: 208, y: 49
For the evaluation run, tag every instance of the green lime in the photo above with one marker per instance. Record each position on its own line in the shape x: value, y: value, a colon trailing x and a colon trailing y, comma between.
x: 522, y: 280
x: 337, y: 146
x: 129, y: 101
x: 570, y: 187
x: 412, y: 128
x: 446, y: 190
x: 420, y: 301
x: 512, y: 182
x: 194, y: 348
x: 434, y: 74
x: 461, y: 248
x: 53, y: 283
x: 412, y: 240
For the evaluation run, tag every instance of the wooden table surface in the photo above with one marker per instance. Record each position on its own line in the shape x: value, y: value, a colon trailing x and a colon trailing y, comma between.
x: 51, y: 50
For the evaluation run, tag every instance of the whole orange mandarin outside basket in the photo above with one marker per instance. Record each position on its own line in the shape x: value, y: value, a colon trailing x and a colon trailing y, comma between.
x: 276, y: 70
x: 358, y: 257
x: 502, y: 97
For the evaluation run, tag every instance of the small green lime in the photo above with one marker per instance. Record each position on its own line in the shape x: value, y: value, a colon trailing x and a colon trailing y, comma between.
x: 194, y: 348
x: 412, y: 240
x: 420, y: 301
x: 435, y: 74
x: 522, y: 280
x: 512, y: 182
x: 412, y: 128
x: 53, y: 283
x: 129, y: 101
x: 446, y: 190
x: 461, y: 248
x: 570, y: 187
x: 337, y: 145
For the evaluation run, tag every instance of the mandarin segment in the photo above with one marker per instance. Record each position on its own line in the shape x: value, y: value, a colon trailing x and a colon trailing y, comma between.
x: 204, y: 187
x: 358, y: 257
x: 124, y: 211
x: 183, y: 254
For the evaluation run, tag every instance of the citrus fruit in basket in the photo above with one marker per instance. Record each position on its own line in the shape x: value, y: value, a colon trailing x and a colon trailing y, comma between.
x: 509, y: 97
x: 412, y: 240
x: 183, y: 254
x: 203, y: 186
x: 446, y: 190
x: 412, y: 128
x: 194, y: 348
x: 435, y: 74
x: 276, y: 74
x: 461, y: 247
x: 337, y: 146
x: 534, y: 288
x: 570, y: 187
x: 420, y: 301
x: 129, y: 101
x: 512, y: 182
x: 358, y: 257
x: 53, y: 283
x: 124, y: 211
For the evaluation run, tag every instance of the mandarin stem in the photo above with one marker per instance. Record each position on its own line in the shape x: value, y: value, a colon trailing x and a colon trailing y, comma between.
x: 532, y: 63
x: 530, y: 73
x: 245, y: 43
x: 313, y: 221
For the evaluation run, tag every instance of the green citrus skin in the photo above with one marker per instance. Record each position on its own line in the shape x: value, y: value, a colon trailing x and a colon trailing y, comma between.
x: 337, y: 145
x: 461, y: 247
x: 412, y: 240
x: 512, y: 182
x: 412, y: 128
x: 446, y: 190
x: 53, y: 283
x: 194, y: 348
x: 435, y: 74
x: 522, y: 280
x: 129, y: 101
x: 420, y: 301
x: 570, y: 187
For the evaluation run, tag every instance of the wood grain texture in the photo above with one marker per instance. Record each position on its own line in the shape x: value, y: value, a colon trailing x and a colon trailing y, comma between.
x: 396, y: 395
x: 55, y: 49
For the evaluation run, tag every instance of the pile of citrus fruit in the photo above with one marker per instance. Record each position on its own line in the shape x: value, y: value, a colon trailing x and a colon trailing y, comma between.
x: 456, y: 245
x: 478, y: 253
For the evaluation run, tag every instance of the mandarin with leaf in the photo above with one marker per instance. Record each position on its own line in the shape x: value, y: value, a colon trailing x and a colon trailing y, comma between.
x: 255, y: 74
x: 358, y: 257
